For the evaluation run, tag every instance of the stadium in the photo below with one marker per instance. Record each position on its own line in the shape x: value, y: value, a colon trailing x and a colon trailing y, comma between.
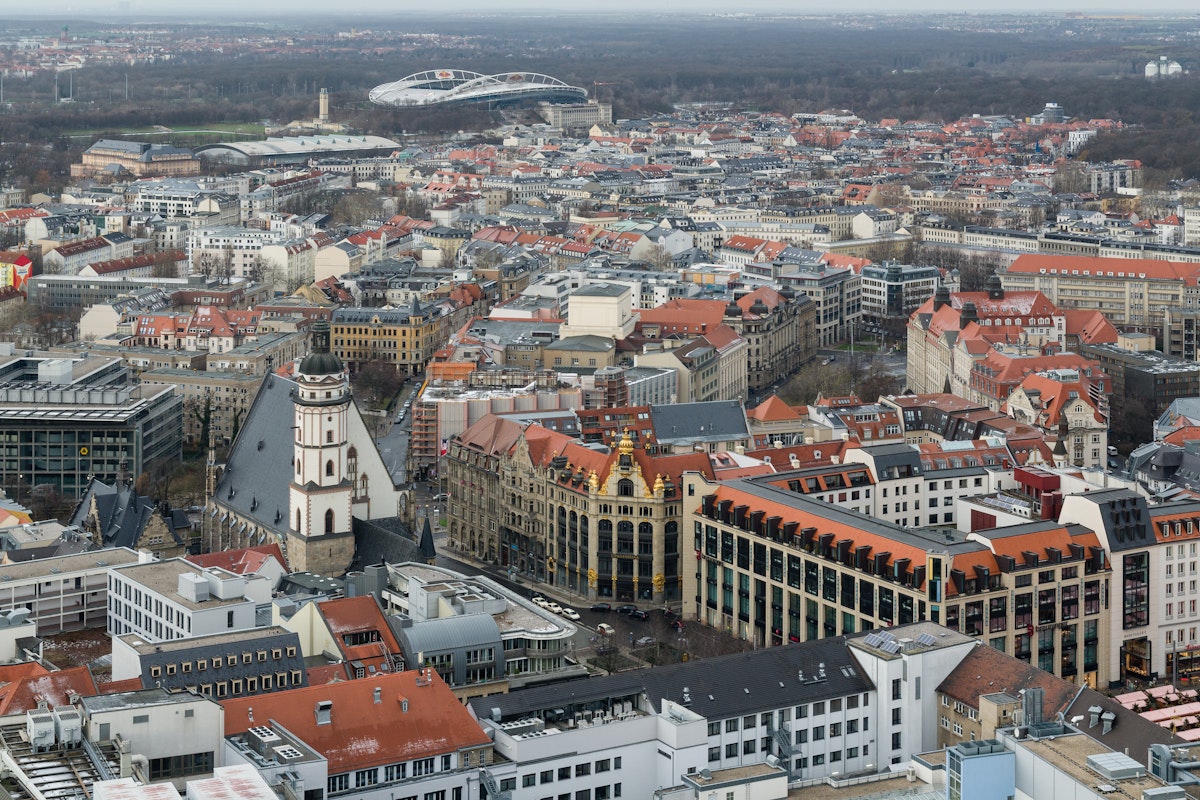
x: 449, y: 86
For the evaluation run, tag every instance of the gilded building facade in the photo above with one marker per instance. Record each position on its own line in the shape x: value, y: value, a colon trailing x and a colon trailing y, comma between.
x: 603, y: 525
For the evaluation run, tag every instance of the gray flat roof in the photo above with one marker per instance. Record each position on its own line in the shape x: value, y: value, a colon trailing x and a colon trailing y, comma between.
x: 143, y: 647
x: 601, y: 290
x: 163, y: 577
x: 91, y: 560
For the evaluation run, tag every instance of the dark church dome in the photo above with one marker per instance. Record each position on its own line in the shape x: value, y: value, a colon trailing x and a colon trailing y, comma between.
x: 320, y: 361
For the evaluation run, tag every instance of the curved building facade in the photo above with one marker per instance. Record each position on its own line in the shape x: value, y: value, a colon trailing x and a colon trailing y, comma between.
x: 446, y: 86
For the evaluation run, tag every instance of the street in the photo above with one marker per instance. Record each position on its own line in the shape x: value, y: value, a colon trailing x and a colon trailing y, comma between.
x: 894, y: 364
x: 628, y: 631
x: 393, y: 445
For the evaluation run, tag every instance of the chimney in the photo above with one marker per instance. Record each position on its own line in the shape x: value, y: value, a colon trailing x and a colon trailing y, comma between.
x: 323, y: 112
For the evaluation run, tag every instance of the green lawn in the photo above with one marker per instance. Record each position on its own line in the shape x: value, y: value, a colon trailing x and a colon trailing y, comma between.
x: 248, y: 128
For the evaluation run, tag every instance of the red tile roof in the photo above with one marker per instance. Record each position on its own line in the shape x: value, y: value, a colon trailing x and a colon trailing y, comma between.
x: 360, y: 630
x: 363, y: 733
x: 23, y: 685
x: 773, y: 410
x: 1152, y: 269
x: 986, y: 670
x: 246, y: 561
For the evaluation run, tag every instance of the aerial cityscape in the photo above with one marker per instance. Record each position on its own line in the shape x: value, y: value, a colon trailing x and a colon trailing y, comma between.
x: 537, y: 403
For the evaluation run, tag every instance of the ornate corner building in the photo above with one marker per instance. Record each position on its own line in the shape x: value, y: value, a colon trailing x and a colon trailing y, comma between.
x: 601, y: 523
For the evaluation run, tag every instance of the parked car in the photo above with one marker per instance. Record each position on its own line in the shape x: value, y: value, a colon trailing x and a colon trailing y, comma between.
x: 637, y: 613
x: 627, y: 608
x: 539, y: 600
x: 437, y: 498
x: 645, y: 641
x: 604, y: 608
x: 570, y: 614
x: 553, y: 606
x: 605, y: 629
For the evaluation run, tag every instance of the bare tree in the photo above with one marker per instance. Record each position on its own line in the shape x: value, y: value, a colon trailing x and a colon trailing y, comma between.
x: 659, y: 257
x: 164, y: 265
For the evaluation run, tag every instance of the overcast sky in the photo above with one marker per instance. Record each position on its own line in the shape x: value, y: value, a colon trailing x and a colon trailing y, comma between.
x: 392, y: 8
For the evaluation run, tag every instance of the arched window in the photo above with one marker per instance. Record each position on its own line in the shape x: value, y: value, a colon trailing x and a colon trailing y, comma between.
x: 329, y: 437
x: 625, y: 488
x: 329, y: 521
x: 329, y: 468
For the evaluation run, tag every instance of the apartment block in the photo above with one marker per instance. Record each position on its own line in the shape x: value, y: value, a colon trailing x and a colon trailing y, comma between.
x: 162, y: 601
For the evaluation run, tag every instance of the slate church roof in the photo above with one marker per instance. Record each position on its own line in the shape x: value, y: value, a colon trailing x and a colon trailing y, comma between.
x: 121, y: 514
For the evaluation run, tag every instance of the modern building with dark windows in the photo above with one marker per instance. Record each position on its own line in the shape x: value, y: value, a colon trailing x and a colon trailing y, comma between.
x: 774, y: 565
x: 64, y: 420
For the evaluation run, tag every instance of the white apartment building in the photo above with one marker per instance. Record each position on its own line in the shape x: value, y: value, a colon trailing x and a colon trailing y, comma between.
x: 176, y: 599
x: 237, y: 251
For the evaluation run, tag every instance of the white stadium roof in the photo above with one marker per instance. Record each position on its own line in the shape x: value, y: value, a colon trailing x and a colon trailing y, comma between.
x: 441, y: 86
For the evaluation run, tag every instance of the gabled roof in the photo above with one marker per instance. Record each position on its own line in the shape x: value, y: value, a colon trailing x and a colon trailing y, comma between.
x: 121, y: 514
x: 1090, y: 325
x: 1153, y: 269
x: 22, y: 686
x: 414, y: 718
x: 246, y: 561
x: 346, y: 616
x: 985, y: 670
x: 1055, y: 396
x: 773, y: 410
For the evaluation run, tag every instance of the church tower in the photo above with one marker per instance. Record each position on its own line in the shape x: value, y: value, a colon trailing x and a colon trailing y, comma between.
x: 319, y: 535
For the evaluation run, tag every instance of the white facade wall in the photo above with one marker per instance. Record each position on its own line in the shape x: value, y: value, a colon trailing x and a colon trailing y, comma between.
x: 134, y: 607
x: 905, y: 688
x: 170, y: 725
x: 641, y: 753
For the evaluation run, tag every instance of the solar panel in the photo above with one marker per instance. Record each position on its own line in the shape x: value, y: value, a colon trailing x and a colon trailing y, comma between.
x: 872, y: 640
x: 926, y: 640
x: 887, y: 637
x: 891, y: 648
